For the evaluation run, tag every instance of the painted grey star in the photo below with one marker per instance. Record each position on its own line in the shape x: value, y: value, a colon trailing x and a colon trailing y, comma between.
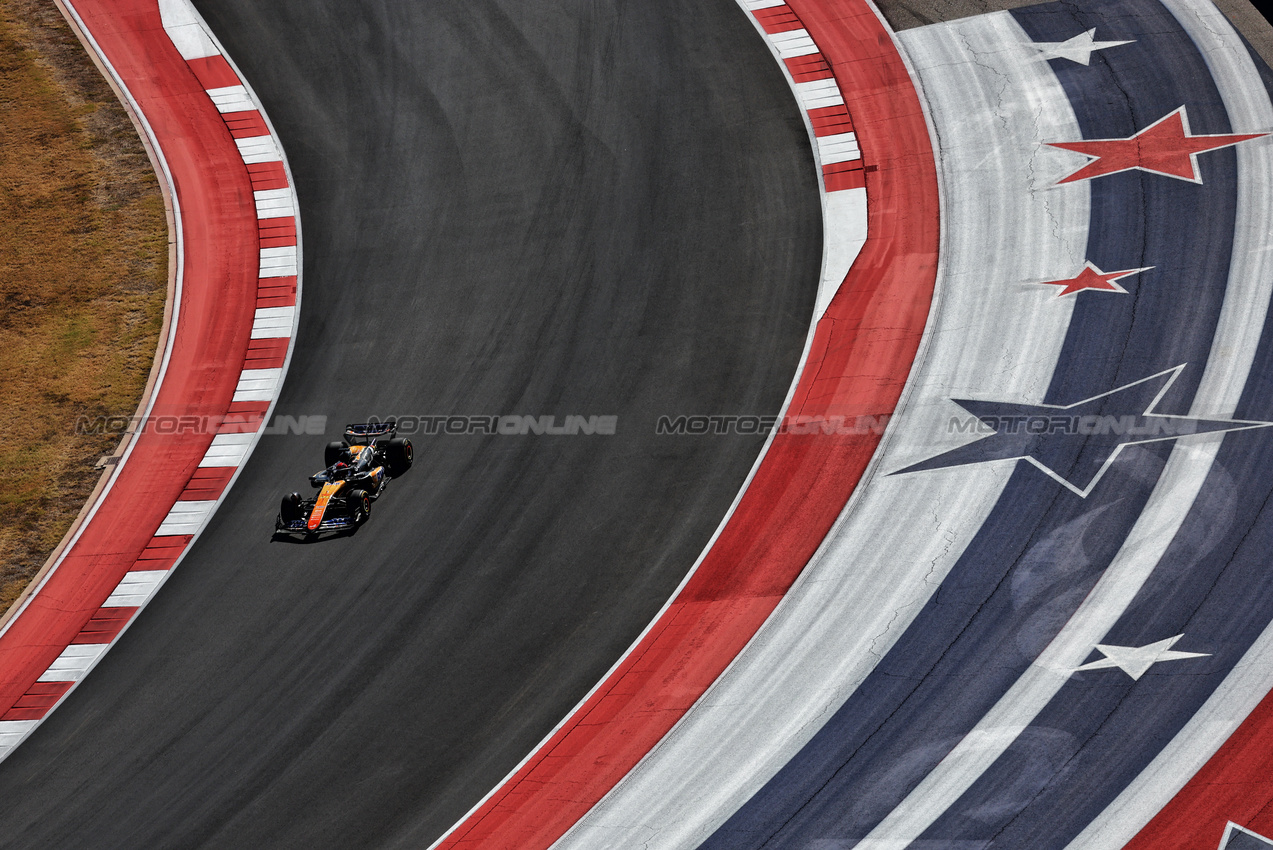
x: 1077, y: 49
x: 1239, y: 838
x: 1135, y: 660
x: 1074, y: 444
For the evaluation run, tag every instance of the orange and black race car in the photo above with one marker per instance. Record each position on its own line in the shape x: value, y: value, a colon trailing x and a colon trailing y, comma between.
x: 358, y: 469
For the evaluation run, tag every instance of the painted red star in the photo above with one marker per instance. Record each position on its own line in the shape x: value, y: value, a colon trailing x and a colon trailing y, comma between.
x: 1093, y: 278
x: 1164, y: 147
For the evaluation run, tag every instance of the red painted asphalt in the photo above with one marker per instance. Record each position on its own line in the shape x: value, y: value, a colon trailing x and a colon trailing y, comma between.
x: 1236, y: 784
x: 218, y: 298
x: 858, y: 363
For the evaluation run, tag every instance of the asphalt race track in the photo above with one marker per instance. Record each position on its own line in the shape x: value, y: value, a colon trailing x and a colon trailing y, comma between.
x: 988, y: 653
x: 1043, y: 618
x: 607, y: 209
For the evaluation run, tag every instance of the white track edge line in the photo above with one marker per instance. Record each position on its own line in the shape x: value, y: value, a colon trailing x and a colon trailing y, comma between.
x: 291, y: 186
x: 908, y: 388
x: 924, y: 340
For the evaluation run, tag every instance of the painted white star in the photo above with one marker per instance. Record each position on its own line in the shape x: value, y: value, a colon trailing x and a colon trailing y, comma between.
x: 1077, y: 49
x: 1135, y: 660
x: 1239, y: 838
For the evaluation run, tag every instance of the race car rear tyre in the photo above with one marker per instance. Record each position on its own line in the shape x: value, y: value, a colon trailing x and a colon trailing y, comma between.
x: 290, y: 509
x: 331, y: 454
x: 399, y: 455
x: 359, y: 506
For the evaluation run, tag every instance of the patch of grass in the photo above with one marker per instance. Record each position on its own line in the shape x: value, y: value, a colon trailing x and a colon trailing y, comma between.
x: 83, y: 277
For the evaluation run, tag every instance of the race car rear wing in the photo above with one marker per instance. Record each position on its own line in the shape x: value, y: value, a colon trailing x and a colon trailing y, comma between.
x: 367, y: 433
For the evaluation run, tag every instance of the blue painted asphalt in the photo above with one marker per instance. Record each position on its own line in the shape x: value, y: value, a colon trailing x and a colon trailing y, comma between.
x: 1043, y: 547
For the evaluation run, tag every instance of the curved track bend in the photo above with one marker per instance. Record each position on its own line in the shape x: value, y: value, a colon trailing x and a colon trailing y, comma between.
x: 607, y: 209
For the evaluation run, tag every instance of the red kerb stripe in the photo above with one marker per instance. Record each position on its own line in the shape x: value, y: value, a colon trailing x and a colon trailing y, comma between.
x: 278, y: 291
x: 245, y: 125
x: 830, y: 120
x: 162, y: 552
x: 778, y: 19
x: 806, y: 68
x: 214, y: 72
x: 843, y: 175
x: 277, y: 232
x: 267, y: 175
x: 37, y: 700
x: 208, y: 482
x: 266, y: 353
x: 244, y: 417
x: 104, y: 625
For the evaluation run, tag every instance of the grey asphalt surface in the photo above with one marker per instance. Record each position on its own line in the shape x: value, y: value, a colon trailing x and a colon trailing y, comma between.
x: 521, y: 207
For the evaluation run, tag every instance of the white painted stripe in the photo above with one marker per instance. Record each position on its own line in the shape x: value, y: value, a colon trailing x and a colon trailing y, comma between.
x: 754, y: 5
x: 1250, y: 110
x: 1233, y: 349
x: 227, y: 450
x: 12, y: 732
x: 258, y: 149
x: 135, y: 588
x: 816, y: 94
x: 231, y: 99
x: 793, y: 43
x: 842, y: 147
x: 874, y: 572
x: 278, y: 262
x: 185, y: 28
x: 844, y: 234
x: 274, y: 203
x: 186, y: 517
x: 273, y: 322
x: 74, y: 662
x: 191, y: 46
x: 257, y: 384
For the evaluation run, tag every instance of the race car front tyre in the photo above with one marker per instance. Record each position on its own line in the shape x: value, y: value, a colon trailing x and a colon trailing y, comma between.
x: 359, y: 506
x: 290, y: 509
x: 399, y: 455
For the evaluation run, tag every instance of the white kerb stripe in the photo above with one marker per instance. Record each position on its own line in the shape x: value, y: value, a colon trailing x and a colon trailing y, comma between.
x: 278, y: 262
x: 872, y: 571
x: 227, y: 450
x: 231, y: 99
x: 793, y: 43
x: 816, y: 94
x: 754, y: 5
x: 13, y: 731
x: 184, y: 27
x: 842, y: 147
x: 274, y: 203
x: 257, y: 384
x: 844, y: 212
x: 73, y: 663
x: 258, y: 149
x: 273, y: 322
x: 186, y: 517
x: 134, y: 588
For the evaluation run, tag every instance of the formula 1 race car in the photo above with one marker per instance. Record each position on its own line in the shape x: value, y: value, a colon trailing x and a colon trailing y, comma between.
x: 358, y: 469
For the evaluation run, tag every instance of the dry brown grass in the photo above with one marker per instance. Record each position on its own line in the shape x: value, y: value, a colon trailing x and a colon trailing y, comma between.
x: 83, y: 277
